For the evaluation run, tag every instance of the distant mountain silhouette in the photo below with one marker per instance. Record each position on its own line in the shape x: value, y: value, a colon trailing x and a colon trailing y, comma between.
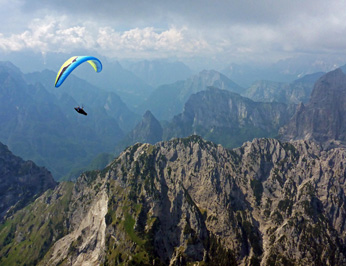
x: 285, y: 70
x: 283, y: 92
x: 168, y: 100
x: 160, y: 72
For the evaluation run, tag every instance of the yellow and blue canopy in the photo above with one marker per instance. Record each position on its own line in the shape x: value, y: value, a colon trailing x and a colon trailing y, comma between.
x: 73, y: 63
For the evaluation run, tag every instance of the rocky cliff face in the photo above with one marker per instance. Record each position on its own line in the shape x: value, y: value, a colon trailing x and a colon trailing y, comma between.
x: 189, y: 200
x: 20, y: 181
x: 228, y: 118
x: 323, y: 118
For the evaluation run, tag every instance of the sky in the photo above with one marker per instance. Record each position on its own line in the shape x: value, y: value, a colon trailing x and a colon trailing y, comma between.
x: 241, y: 31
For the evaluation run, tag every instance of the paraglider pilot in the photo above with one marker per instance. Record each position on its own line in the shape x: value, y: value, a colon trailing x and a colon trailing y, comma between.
x: 80, y: 110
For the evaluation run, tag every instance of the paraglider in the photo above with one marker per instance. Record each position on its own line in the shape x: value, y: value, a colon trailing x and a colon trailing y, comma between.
x: 73, y: 63
x: 80, y: 110
x: 70, y: 65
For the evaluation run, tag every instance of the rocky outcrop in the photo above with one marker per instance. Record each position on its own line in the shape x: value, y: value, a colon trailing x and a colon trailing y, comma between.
x: 85, y: 244
x: 20, y: 181
x: 189, y: 200
x: 323, y: 118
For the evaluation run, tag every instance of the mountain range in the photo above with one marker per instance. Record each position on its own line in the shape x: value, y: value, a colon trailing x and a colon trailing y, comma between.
x: 221, y: 116
x: 227, y: 118
x: 29, y: 103
x: 172, y: 197
x: 189, y: 201
x: 284, y: 92
x: 285, y: 70
x: 168, y: 100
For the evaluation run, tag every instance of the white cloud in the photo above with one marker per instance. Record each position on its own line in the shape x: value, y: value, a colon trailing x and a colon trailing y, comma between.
x: 136, y: 42
x: 46, y: 35
x: 56, y: 35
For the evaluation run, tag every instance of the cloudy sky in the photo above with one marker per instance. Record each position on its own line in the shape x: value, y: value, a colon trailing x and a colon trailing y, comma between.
x: 235, y: 30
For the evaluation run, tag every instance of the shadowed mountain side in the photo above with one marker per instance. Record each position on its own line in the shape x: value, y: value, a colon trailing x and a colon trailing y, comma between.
x: 189, y: 201
x: 324, y: 118
x: 20, y: 181
x: 227, y: 118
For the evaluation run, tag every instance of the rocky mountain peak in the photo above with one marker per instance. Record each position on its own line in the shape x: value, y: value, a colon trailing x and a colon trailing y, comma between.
x: 329, y: 88
x: 148, y: 130
x: 148, y: 117
x: 323, y: 118
x: 216, y: 79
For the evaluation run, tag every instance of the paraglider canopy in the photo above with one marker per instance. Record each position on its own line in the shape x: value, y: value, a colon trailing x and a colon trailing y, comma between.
x: 73, y: 63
